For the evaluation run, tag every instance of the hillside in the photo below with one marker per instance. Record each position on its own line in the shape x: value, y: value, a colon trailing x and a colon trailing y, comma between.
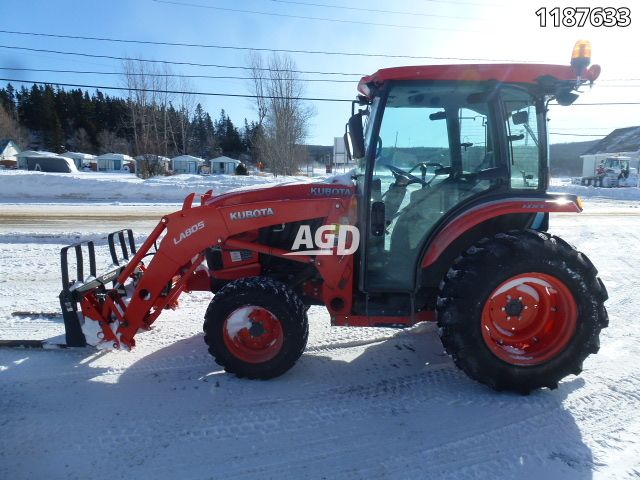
x: 564, y: 158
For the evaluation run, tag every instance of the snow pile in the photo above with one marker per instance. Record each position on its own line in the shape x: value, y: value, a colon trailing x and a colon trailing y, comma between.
x: 25, y: 186
x: 563, y: 185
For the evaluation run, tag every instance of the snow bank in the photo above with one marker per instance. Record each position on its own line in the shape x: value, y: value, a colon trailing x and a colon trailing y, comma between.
x: 563, y: 185
x: 40, y: 187
x: 26, y: 186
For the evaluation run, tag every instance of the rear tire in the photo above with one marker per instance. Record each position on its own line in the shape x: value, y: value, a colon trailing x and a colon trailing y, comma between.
x: 521, y: 311
x: 256, y: 328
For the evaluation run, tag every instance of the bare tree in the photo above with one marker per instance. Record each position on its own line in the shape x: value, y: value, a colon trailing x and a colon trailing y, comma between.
x: 110, y: 142
x: 80, y: 141
x: 149, y: 101
x: 257, y: 85
x: 186, y: 102
x: 281, y: 112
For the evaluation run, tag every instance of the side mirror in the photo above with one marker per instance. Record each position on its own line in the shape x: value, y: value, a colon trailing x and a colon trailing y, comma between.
x: 355, y: 136
x: 520, y: 118
x: 377, y: 219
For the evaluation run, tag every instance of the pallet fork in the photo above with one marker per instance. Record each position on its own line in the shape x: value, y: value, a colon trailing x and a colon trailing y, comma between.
x: 122, y: 247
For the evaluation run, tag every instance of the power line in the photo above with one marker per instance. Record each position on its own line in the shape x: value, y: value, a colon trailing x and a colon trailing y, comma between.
x: 573, y: 129
x: 322, y: 19
x: 578, y: 134
x: 257, y: 49
x: 168, y: 62
x: 374, y: 10
x: 600, y: 104
x: 317, y: 99
x: 449, y: 2
x: 212, y: 77
x: 162, y: 75
x: 153, y: 90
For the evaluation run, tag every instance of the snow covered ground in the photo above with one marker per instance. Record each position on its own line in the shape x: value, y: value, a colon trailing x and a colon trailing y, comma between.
x: 25, y: 186
x: 360, y: 403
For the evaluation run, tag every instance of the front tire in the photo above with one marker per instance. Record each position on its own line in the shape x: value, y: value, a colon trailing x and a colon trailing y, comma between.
x: 521, y: 311
x: 256, y: 328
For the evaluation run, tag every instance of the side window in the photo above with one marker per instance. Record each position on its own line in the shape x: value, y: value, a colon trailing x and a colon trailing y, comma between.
x: 523, y: 140
x: 475, y: 141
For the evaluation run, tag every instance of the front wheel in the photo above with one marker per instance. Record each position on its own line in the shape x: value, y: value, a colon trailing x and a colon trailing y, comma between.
x: 521, y: 311
x: 256, y: 327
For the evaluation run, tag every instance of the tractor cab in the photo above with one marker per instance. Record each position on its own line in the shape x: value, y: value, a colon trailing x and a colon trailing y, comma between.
x: 434, y: 142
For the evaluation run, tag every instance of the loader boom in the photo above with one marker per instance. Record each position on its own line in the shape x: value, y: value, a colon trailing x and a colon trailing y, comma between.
x: 144, y: 289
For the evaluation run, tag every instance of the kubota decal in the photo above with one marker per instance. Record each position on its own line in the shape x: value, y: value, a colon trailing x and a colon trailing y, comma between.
x: 325, y: 240
x: 330, y: 192
x: 188, y: 232
x: 245, y: 214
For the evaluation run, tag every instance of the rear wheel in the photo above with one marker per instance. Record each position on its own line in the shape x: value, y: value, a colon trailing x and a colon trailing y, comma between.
x: 256, y: 328
x: 521, y: 311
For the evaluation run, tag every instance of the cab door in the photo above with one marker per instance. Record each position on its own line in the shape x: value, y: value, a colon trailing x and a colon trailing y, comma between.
x: 430, y: 143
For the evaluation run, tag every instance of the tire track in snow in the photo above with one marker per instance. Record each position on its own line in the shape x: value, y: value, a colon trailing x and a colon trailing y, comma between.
x: 471, y: 455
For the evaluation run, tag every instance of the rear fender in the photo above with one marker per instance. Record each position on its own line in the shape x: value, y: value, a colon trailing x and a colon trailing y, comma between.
x: 484, y: 212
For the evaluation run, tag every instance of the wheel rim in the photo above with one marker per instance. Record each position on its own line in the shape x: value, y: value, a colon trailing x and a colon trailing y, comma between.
x: 529, y: 319
x: 253, y: 334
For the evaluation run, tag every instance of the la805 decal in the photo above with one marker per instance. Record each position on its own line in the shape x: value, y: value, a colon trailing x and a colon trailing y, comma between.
x: 584, y: 16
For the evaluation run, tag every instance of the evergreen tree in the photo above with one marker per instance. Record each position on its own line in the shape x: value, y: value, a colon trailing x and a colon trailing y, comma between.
x: 57, y: 119
x: 8, y: 101
x: 228, y: 136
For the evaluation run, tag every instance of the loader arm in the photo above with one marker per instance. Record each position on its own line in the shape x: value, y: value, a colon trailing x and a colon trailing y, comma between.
x: 144, y: 288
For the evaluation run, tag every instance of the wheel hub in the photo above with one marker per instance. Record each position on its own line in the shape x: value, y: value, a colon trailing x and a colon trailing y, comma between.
x: 514, y: 308
x: 256, y: 329
x: 253, y: 334
x: 529, y: 319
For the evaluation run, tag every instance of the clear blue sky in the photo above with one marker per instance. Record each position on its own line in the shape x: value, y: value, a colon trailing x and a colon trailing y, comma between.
x: 492, y: 29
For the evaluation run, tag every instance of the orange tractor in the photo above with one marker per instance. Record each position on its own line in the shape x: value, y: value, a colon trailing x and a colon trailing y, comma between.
x: 444, y: 219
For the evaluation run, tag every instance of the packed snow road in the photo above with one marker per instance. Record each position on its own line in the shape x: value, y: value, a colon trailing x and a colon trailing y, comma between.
x: 360, y: 403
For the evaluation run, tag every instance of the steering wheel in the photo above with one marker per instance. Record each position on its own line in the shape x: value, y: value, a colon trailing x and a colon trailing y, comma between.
x: 408, y: 178
x: 425, y: 165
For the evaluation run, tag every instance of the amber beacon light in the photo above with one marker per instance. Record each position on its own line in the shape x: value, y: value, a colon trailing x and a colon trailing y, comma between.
x: 581, y: 56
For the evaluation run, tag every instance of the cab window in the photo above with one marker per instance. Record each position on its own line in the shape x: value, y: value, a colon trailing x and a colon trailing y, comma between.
x: 524, y: 141
x: 434, y: 150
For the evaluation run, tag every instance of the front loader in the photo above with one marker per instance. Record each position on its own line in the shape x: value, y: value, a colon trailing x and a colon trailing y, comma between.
x: 444, y: 219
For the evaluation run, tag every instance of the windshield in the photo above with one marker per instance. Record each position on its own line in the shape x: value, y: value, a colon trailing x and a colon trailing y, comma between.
x: 434, y: 130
